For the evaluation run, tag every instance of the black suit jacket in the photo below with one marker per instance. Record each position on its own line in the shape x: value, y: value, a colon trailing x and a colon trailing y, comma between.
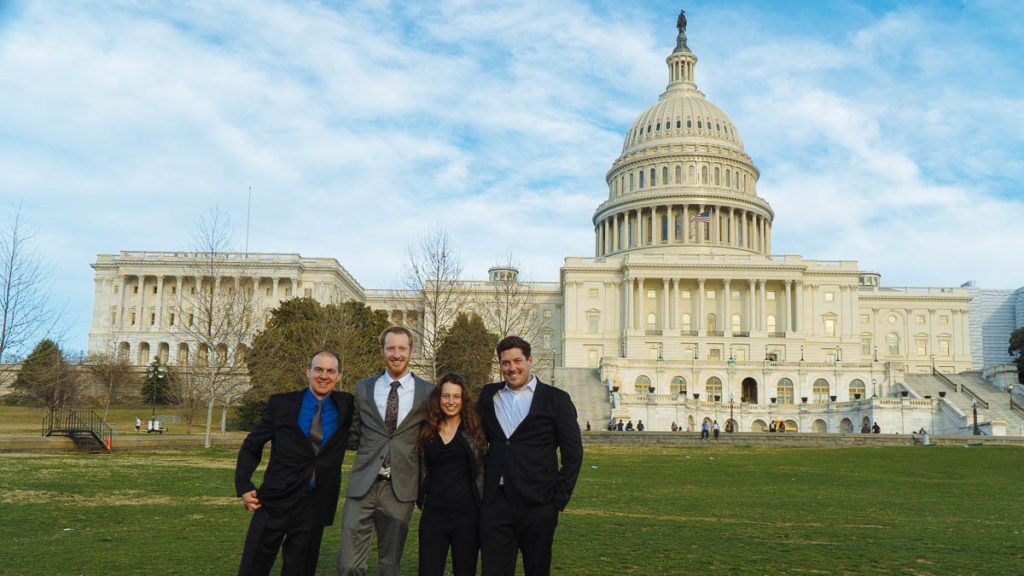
x: 292, y: 459
x: 528, y: 460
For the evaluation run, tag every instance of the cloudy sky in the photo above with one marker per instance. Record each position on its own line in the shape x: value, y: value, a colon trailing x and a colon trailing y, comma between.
x: 891, y: 133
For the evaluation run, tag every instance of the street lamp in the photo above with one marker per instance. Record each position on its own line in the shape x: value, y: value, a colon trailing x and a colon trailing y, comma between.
x: 156, y: 374
x: 974, y: 407
x: 801, y: 352
x: 731, y: 419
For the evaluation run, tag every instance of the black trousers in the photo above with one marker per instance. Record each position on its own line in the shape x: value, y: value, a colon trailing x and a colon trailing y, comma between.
x: 506, y: 530
x: 292, y: 527
x: 444, y: 529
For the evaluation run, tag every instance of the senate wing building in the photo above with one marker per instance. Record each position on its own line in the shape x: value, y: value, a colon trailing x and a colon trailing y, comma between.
x: 682, y: 316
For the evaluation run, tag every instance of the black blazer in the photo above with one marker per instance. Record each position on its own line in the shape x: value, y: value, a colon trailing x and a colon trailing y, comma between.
x: 528, y: 460
x: 292, y: 458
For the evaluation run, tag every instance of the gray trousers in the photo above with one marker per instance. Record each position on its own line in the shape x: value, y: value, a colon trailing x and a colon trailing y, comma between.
x: 378, y: 511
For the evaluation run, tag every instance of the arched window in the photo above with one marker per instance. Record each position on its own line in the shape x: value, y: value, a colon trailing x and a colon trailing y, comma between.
x: 679, y: 386
x: 679, y: 174
x: 819, y: 392
x: 785, y: 391
x: 736, y: 325
x: 892, y: 340
x: 664, y: 175
x: 703, y: 174
x: 642, y: 385
x: 664, y: 227
x: 856, y: 387
x: 631, y: 186
x: 654, y: 181
x: 641, y: 183
x: 718, y: 173
x: 770, y: 321
x: 690, y: 178
x: 713, y: 388
x: 727, y: 184
x: 712, y: 322
x: 686, y: 323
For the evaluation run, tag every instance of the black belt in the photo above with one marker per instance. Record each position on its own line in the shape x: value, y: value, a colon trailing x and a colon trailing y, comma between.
x: 383, y: 478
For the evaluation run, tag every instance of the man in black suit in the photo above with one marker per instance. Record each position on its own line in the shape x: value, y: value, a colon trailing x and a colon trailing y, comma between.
x: 527, y: 423
x: 308, y: 432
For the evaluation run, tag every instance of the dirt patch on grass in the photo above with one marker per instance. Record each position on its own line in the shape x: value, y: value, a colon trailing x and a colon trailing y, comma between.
x: 123, y: 498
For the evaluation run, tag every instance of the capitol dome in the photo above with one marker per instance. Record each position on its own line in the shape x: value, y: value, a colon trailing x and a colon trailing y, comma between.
x: 683, y: 181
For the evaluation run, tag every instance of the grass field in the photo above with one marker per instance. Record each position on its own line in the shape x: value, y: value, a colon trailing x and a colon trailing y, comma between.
x: 700, y: 510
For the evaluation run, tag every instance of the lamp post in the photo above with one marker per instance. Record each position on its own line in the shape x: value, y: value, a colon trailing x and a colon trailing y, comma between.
x: 974, y: 407
x: 156, y: 374
x: 801, y: 352
x: 730, y: 410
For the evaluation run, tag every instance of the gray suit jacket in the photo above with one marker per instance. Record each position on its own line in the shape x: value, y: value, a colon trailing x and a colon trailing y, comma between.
x: 374, y: 442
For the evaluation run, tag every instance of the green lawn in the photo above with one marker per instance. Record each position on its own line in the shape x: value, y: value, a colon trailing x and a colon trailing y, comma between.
x: 693, y: 510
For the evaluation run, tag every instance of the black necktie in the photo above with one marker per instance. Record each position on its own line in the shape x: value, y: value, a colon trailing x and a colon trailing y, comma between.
x: 391, y: 417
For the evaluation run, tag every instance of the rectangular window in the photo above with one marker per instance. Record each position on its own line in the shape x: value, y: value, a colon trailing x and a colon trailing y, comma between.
x: 133, y: 318
x: 865, y: 346
x: 170, y: 319
x: 116, y: 288
x: 547, y: 341
x: 922, y: 346
x: 944, y: 347
x: 652, y: 294
x: 735, y: 295
x: 592, y: 324
x: 711, y: 294
x: 113, y: 318
x: 154, y: 289
x: 919, y: 320
x: 191, y: 319
x: 593, y: 293
x: 174, y: 289
x: 944, y: 320
x: 152, y: 319
x: 830, y: 296
x: 714, y: 354
x: 830, y: 327
x: 135, y: 289
x: 547, y: 314
x: 684, y: 294
x: 770, y: 295
x: 270, y: 291
x: 865, y: 319
x: 307, y: 292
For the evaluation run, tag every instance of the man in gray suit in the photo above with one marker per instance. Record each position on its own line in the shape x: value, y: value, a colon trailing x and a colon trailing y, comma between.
x: 383, y: 484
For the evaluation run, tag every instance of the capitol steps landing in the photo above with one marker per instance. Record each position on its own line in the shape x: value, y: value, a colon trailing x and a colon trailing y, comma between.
x: 588, y: 394
x: 998, y: 409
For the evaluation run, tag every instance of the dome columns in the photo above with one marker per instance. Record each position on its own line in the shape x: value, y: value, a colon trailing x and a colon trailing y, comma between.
x: 674, y: 224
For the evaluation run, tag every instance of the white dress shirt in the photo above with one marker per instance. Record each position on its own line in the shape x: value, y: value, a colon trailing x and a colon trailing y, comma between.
x: 512, y: 406
x: 406, y: 394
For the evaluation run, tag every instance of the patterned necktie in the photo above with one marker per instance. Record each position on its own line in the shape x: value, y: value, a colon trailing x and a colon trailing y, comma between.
x: 391, y: 417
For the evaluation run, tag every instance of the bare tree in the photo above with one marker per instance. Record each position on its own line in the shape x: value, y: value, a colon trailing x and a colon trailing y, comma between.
x: 433, y: 273
x: 26, y: 314
x: 113, y: 373
x: 219, y: 316
x: 509, y: 307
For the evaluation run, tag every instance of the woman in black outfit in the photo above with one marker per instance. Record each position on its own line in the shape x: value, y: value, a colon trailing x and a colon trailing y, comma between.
x: 451, y: 447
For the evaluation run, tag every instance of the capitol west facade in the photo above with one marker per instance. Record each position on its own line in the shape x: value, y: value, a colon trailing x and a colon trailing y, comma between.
x: 682, y: 312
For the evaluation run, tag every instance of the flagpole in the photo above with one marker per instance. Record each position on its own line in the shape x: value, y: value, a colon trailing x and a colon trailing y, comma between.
x: 248, y: 210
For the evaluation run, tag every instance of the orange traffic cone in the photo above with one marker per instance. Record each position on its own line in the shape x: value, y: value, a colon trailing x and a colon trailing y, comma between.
x: 108, y: 442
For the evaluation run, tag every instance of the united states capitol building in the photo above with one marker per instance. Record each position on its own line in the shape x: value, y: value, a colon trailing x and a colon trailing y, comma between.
x: 682, y: 315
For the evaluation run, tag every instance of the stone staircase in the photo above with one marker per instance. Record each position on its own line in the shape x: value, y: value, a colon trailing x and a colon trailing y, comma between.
x: 588, y: 394
x: 998, y: 402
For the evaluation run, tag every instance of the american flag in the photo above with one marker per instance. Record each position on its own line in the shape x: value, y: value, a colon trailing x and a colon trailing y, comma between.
x: 702, y: 217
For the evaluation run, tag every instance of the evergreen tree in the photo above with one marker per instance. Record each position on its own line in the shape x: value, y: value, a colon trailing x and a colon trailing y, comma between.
x: 279, y: 355
x: 46, y: 379
x: 1017, y: 349
x: 468, y: 349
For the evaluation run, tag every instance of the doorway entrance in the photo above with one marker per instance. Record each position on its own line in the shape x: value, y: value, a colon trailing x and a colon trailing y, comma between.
x: 750, y: 391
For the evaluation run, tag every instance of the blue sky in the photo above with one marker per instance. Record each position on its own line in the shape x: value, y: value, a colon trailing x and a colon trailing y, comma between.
x: 891, y: 133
